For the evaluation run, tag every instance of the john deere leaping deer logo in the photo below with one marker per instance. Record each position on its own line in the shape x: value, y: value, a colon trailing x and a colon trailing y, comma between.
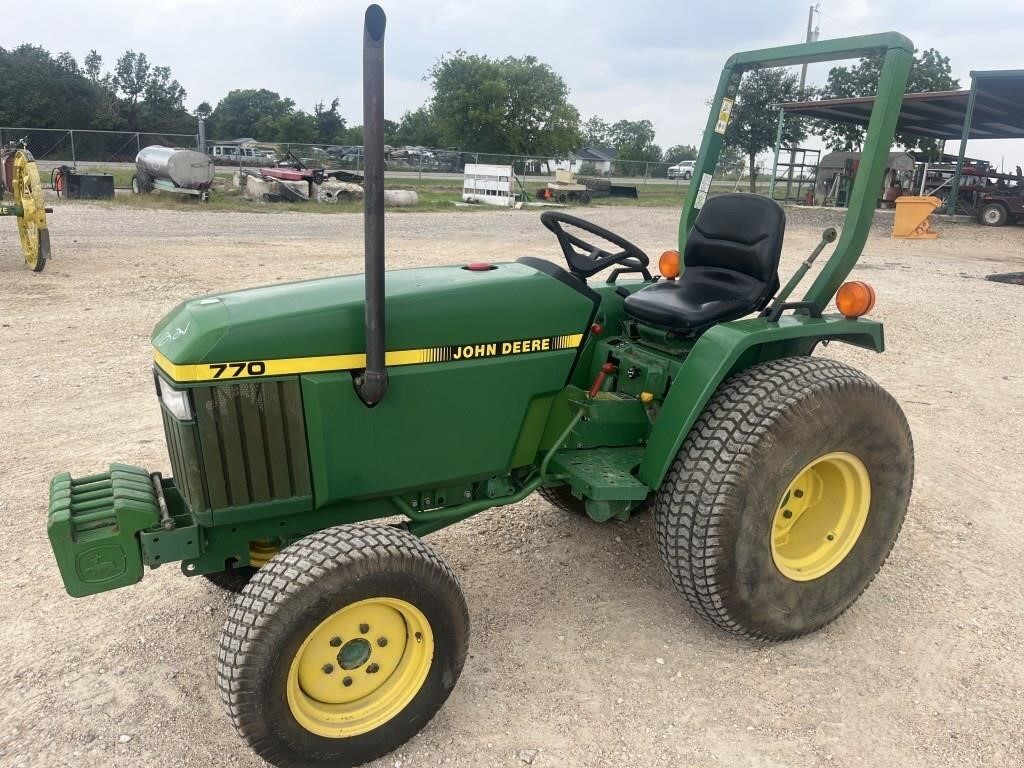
x: 101, y: 563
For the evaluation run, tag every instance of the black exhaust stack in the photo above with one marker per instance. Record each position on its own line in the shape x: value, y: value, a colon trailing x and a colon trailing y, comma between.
x: 374, y: 382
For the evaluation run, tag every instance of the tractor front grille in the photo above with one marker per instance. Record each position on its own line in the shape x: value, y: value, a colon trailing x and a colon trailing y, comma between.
x: 247, y: 445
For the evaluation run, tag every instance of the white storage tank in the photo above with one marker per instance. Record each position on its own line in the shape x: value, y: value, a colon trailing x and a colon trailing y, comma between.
x: 185, y: 168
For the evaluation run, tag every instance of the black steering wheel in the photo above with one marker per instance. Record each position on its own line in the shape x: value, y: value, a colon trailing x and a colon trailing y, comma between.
x: 593, y: 259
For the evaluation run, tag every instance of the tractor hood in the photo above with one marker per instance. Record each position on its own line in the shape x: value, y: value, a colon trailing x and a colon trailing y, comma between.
x: 426, y: 309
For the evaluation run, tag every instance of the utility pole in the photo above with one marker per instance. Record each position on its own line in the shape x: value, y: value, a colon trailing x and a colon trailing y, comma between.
x: 812, y: 35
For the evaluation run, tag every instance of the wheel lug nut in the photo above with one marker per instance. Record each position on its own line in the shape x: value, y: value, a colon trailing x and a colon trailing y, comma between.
x: 798, y: 494
x: 335, y: 641
x: 373, y: 668
x: 831, y: 537
x: 787, y: 513
x: 364, y: 628
x: 347, y: 681
x: 382, y: 641
x: 328, y: 668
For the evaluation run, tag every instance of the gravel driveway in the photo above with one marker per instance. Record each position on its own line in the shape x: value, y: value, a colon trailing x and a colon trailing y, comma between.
x: 581, y: 653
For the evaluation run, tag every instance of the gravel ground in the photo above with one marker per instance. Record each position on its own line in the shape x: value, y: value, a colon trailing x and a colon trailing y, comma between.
x: 581, y: 654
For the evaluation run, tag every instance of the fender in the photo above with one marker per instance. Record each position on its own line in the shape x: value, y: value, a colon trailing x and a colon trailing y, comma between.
x: 728, y: 348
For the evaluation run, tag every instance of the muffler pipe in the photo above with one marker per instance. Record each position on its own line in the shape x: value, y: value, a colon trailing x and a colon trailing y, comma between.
x: 372, y: 385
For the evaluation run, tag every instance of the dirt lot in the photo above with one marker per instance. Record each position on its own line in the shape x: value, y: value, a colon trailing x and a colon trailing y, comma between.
x: 581, y: 653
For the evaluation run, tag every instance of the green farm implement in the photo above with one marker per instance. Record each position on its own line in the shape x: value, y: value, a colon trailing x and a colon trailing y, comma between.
x: 21, y: 180
x: 297, y: 415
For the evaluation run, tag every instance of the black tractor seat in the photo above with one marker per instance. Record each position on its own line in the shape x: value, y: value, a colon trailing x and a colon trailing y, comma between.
x: 731, y: 265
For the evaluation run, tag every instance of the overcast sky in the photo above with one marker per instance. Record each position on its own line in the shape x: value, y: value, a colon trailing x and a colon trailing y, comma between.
x: 653, y: 59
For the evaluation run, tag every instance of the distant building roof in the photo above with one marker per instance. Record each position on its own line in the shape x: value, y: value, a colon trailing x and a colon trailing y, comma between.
x: 237, y: 142
x: 596, y: 154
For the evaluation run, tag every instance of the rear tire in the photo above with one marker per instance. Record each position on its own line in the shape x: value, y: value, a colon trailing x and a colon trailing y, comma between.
x: 298, y: 664
x: 721, y: 508
x: 993, y: 215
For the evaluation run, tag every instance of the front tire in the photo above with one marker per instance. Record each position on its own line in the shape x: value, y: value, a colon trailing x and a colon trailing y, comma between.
x: 786, y: 497
x: 342, y: 647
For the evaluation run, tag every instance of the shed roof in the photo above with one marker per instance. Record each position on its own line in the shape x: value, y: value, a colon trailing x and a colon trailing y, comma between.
x: 998, y: 109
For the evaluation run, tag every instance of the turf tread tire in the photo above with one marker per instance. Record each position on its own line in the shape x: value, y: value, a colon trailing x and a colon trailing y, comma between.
x: 695, y: 508
x: 257, y: 627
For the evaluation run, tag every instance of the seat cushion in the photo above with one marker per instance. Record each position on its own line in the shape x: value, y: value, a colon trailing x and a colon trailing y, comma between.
x: 732, y: 267
x: 706, y: 296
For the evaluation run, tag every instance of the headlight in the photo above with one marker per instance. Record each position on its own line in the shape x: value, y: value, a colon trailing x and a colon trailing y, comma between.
x: 175, y: 400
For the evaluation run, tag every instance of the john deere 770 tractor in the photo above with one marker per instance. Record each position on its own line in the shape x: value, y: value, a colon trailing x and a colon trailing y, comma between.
x: 296, y: 414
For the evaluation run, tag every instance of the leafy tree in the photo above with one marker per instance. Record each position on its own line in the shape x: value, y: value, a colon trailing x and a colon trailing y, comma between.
x: 596, y: 132
x: 931, y: 72
x: 353, y: 135
x: 42, y: 92
x: 93, y: 64
x: 296, y: 127
x: 328, y: 123
x: 755, y: 116
x: 417, y: 129
x: 250, y: 112
x: 163, y: 107
x: 131, y: 74
x: 633, y: 141
x: 67, y: 62
x: 678, y: 153
x: 203, y: 110
x: 511, y: 105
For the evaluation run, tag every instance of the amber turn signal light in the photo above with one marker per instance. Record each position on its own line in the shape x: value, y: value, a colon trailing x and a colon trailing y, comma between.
x: 855, y: 299
x: 668, y: 264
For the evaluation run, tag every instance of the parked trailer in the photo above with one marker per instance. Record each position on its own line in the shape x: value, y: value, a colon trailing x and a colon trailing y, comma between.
x: 183, y: 171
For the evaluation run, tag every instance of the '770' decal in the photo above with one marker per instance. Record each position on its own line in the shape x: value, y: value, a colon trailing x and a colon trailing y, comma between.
x: 252, y: 368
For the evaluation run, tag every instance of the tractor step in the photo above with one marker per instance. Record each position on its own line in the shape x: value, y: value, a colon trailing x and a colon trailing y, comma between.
x: 94, y: 524
x: 602, y: 474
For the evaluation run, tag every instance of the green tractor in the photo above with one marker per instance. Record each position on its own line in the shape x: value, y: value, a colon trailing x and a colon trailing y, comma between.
x: 297, y: 415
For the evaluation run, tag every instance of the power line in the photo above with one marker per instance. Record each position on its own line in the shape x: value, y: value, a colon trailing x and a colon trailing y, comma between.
x: 837, y: 20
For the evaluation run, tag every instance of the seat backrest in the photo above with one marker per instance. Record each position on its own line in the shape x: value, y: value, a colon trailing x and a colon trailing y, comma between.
x: 738, y: 231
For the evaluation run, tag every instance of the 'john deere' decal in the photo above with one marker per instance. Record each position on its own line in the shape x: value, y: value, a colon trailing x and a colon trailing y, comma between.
x: 290, y: 366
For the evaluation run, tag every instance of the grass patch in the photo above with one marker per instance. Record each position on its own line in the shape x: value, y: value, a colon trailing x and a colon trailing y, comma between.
x: 435, y: 195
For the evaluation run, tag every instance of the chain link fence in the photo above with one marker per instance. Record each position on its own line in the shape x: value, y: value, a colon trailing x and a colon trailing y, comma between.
x: 67, y: 146
x: 58, y: 146
x: 424, y: 161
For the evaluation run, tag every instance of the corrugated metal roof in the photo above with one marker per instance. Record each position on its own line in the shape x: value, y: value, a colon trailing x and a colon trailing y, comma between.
x: 998, y: 109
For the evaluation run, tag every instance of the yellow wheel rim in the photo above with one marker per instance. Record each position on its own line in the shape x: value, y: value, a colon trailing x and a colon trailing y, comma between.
x: 821, y: 516
x: 27, y: 191
x: 360, y: 667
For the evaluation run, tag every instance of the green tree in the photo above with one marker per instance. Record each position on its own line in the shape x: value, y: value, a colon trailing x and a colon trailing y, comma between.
x: 755, y: 116
x: 511, y: 105
x: 131, y: 75
x: 931, y: 72
x: 633, y: 140
x: 67, y: 62
x: 596, y: 132
x: 203, y: 110
x: 417, y: 129
x: 328, y: 123
x: 42, y: 92
x: 679, y: 152
x: 250, y: 112
x: 93, y: 64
